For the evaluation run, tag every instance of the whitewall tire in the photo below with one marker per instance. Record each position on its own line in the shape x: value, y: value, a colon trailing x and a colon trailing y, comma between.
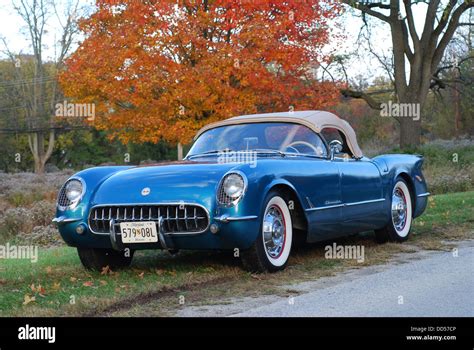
x: 272, y: 248
x: 401, y: 215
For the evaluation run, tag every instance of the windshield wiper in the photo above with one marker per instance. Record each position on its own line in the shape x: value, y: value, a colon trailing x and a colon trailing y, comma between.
x: 258, y: 150
x: 209, y: 153
x: 267, y: 150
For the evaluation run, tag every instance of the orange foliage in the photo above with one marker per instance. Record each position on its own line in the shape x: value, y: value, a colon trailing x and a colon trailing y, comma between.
x: 163, y: 69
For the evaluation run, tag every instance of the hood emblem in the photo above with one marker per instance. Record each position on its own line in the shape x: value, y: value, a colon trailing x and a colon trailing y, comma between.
x: 146, y: 191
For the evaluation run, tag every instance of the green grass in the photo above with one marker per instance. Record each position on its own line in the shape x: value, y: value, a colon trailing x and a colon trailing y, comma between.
x: 59, y: 272
x: 156, y: 280
x: 446, y: 210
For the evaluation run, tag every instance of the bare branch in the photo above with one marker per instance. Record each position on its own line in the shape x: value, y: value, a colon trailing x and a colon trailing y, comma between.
x: 362, y: 95
x: 411, y: 25
x: 368, y: 9
x: 451, y: 29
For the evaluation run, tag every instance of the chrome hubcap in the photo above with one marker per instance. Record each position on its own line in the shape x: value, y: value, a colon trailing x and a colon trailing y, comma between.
x: 274, y: 232
x: 399, y: 209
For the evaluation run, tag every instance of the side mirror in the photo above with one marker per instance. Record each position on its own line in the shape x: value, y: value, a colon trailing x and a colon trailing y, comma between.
x: 335, y: 147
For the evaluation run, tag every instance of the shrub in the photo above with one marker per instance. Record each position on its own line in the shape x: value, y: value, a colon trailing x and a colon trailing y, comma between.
x: 14, y: 221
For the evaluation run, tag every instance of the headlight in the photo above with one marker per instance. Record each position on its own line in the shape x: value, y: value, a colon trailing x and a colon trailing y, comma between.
x: 71, y: 193
x: 231, y: 189
x: 234, y: 185
x: 73, y: 190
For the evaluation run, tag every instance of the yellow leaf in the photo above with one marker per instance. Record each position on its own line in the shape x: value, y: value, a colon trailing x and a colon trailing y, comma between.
x: 28, y: 299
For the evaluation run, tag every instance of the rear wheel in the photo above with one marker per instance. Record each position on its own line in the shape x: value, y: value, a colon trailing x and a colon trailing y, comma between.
x: 401, y: 212
x: 271, y: 249
x: 96, y: 259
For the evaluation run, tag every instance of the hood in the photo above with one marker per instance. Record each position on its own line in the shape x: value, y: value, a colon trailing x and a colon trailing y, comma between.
x: 167, y: 182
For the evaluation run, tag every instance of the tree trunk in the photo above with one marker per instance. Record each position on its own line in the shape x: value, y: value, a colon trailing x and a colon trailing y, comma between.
x: 180, y: 151
x: 39, y: 167
x: 410, y: 133
x: 40, y: 156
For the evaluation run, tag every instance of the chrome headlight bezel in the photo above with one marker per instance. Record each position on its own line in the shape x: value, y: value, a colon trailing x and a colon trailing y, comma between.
x: 64, y: 202
x: 222, y: 195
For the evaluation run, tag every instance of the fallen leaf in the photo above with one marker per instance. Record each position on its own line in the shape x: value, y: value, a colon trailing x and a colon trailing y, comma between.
x: 257, y: 277
x: 40, y: 290
x: 103, y: 283
x: 37, y: 289
x: 141, y: 274
x: 88, y: 284
x: 56, y: 286
x: 49, y: 269
x: 28, y: 299
x: 106, y: 270
x: 73, y: 279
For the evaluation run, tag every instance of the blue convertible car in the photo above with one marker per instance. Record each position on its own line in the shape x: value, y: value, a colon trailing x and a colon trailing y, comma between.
x: 254, y: 184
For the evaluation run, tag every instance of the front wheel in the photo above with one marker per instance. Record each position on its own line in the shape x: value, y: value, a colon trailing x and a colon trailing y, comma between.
x: 97, y: 259
x: 398, y: 228
x: 271, y: 249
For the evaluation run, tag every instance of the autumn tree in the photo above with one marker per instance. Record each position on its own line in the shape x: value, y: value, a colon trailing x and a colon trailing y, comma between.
x: 162, y: 69
x: 416, y: 55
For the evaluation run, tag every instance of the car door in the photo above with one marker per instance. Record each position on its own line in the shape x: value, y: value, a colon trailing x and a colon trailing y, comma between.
x: 318, y: 180
x: 324, y: 210
x: 361, y: 188
x: 362, y: 195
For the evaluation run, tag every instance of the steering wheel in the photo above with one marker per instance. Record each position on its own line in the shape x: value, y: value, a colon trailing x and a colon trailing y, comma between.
x: 304, y: 143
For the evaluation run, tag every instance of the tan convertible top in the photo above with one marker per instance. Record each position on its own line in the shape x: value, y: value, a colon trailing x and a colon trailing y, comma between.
x: 315, y: 120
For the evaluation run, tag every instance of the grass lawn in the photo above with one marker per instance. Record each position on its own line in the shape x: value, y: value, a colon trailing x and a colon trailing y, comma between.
x: 157, y: 283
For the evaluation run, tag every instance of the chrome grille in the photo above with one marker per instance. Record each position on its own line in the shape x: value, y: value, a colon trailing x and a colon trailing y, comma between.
x: 176, y: 218
x: 63, y: 201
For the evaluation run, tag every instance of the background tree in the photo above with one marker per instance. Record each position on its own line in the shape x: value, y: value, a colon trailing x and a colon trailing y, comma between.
x: 35, y: 87
x: 162, y: 69
x: 422, y: 54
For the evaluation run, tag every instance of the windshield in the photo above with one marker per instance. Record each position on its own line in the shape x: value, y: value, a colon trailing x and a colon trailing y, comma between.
x: 261, y: 137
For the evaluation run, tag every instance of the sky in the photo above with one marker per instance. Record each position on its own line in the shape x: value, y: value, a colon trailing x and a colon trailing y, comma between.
x: 12, y: 29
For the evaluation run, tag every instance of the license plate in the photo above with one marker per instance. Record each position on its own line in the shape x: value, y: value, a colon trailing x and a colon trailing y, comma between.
x: 139, y: 232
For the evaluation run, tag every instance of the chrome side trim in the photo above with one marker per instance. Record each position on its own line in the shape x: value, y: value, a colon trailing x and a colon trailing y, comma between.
x: 365, y: 202
x: 326, y: 207
x: 426, y: 194
x: 152, y: 204
x: 64, y: 220
x: 346, y: 204
x: 227, y: 218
